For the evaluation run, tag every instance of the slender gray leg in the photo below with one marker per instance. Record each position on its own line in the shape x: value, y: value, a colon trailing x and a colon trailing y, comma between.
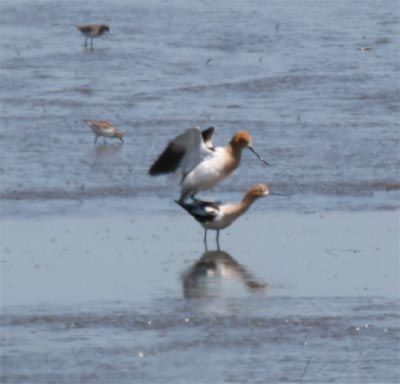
x: 104, y: 140
x: 95, y: 139
x: 205, y: 238
x: 86, y: 38
x: 218, y: 239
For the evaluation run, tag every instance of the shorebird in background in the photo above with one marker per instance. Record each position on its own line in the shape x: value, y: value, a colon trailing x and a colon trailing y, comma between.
x: 217, y: 216
x: 105, y: 129
x: 92, y: 31
x: 202, y: 165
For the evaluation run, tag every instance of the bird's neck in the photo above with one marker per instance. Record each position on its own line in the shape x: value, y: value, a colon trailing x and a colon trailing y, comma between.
x: 235, y: 148
x: 247, y: 200
x: 242, y: 207
x: 234, y: 152
x: 233, y: 211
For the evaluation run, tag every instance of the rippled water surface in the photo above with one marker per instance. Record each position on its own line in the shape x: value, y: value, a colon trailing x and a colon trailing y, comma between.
x: 186, y: 345
x: 315, y: 83
x: 122, y: 299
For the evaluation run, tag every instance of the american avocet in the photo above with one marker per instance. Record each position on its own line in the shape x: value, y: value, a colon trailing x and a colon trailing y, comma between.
x: 105, y: 129
x: 202, y: 165
x: 92, y: 31
x: 217, y: 216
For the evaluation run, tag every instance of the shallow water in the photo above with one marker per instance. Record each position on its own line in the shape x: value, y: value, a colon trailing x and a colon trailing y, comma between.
x: 105, y: 280
x: 352, y: 341
x: 316, y: 84
x: 115, y: 298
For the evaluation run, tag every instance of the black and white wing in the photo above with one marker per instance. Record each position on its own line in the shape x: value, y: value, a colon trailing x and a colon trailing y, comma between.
x: 202, y: 211
x: 207, y: 135
x: 184, y: 151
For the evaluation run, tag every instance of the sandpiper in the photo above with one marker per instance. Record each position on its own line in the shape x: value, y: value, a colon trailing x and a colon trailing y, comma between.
x: 202, y: 165
x: 92, y: 31
x: 105, y: 129
x: 217, y: 216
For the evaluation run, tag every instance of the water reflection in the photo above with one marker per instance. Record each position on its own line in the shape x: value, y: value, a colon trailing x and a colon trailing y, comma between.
x: 102, y: 153
x: 211, y: 275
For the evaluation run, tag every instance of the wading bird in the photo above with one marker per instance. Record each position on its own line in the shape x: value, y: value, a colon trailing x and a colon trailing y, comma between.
x: 217, y: 216
x: 93, y: 31
x: 105, y: 129
x: 202, y: 165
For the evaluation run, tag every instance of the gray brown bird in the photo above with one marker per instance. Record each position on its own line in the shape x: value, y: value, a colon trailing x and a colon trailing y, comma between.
x: 105, y: 129
x: 92, y: 31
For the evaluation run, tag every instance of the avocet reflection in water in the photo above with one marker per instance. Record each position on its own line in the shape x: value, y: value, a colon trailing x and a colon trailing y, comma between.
x: 217, y: 274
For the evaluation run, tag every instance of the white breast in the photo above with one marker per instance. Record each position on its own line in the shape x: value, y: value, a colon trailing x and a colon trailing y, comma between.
x: 226, y: 216
x: 207, y: 174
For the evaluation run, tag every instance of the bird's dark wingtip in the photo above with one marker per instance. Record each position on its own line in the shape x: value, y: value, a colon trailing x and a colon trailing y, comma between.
x: 151, y: 172
x: 167, y: 162
x: 208, y: 133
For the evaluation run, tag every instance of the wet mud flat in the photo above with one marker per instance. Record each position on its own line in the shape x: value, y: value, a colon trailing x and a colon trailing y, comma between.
x: 318, y: 93
x: 112, y: 297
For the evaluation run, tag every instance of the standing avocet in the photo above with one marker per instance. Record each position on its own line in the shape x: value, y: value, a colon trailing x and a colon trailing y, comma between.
x: 217, y: 216
x: 202, y: 165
